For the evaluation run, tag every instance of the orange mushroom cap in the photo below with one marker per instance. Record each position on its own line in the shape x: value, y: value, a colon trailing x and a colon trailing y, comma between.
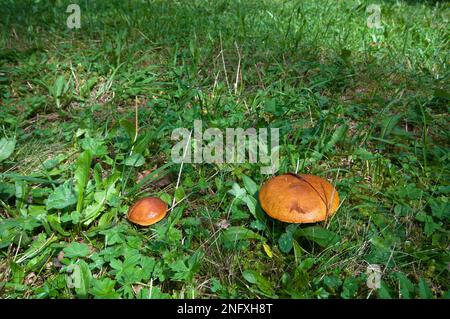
x: 147, y: 211
x: 293, y: 198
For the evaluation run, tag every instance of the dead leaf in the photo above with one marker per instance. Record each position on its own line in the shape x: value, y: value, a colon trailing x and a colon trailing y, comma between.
x: 30, y: 278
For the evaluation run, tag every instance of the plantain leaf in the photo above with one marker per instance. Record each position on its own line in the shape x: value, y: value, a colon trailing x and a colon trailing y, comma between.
x: 249, y: 185
x: 63, y: 196
x: 76, y: 249
x: 406, y: 287
x: 235, y: 233
x: 129, y: 127
x: 82, y: 167
x: 135, y: 160
x: 424, y: 290
x: 84, y: 283
x: 7, y: 146
x: 55, y: 223
x: 319, y: 235
x: 285, y: 242
x: 256, y: 278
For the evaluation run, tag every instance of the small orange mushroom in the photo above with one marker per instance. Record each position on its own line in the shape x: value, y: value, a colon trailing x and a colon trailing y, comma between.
x: 293, y: 198
x: 147, y: 211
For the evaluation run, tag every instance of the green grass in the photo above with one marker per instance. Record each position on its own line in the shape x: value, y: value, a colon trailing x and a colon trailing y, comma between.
x: 365, y: 108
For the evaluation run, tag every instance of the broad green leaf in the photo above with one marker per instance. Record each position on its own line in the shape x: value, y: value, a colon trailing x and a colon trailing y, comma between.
x: 36, y: 210
x: 384, y: 292
x: 319, y: 235
x: 424, y: 290
x: 251, y: 276
x: 63, y: 196
x: 17, y: 273
x: 144, y: 139
x: 180, y: 269
x: 332, y: 281
x: 166, y: 198
x: 175, y: 215
x: 129, y: 127
x: 82, y: 168
x: 51, y: 163
x: 285, y: 242
x: 363, y: 154
x: 249, y: 185
x: 350, y: 288
x: 179, y: 193
x: 440, y: 208
x: 251, y: 202
x: 55, y: 223
x: 306, y: 264
x: 82, y: 287
x: 104, y: 288
x: 75, y: 250
x: 39, y: 260
x: 256, y: 278
x: 237, y: 191
x: 186, y: 268
x: 135, y: 160
x: 96, y: 146
x: 405, y: 285
x: 298, y: 251
x: 21, y: 193
x: 7, y: 190
x: 292, y: 228
x: 7, y: 146
x: 235, y: 233
x: 59, y: 85
x: 92, y: 211
x: 58, y: 89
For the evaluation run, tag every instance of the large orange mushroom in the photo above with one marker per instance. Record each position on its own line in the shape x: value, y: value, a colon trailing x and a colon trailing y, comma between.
x: 147, y: 211
x: 294, y: 198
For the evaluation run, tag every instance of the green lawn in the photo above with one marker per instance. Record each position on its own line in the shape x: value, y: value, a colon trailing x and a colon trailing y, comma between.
x: 365, y: 108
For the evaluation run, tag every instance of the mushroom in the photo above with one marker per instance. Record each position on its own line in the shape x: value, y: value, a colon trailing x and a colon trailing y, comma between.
x: 293, y: 198
x: 147, y: 211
